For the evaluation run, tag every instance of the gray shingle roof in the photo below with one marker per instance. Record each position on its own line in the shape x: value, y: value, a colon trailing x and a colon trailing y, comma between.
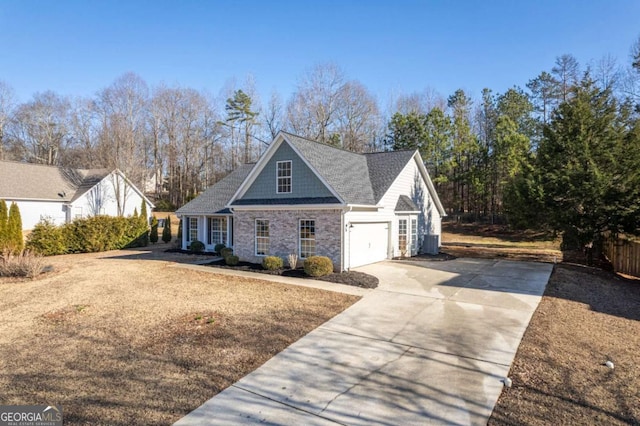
x: 216, y: 197
x: 346, y: 172
x: 41, y: 182
x: 406, y: 204
x: 384, y: 168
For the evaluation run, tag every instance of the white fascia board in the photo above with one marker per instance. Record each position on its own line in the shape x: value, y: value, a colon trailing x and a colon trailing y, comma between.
x: 427, y: 179
x: 365, y: 206
x: 44, y: 200
x: 291, y: 207
x: 135, y: 188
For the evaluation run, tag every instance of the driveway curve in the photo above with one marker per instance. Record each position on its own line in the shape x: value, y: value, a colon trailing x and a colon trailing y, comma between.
x: 430, y: 345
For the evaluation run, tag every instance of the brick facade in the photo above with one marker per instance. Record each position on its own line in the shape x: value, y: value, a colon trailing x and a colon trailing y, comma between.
x: 283, y: 233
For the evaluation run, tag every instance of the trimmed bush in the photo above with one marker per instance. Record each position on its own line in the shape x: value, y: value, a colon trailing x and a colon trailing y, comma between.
x: 153, y: 235
x: 46, y: 239
x: 166, y: 231
x: 14, y: 240
x: 271, y: 263
x: 318, y: 266
x: 196, y: 246
x: 218, y: 248
x: 179, y: 231
x: 225, y: 252
x: 231, y: 260
x: 4, y: 216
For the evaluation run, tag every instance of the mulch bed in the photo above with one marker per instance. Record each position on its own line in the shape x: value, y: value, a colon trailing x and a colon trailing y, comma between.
x: 353, y: 278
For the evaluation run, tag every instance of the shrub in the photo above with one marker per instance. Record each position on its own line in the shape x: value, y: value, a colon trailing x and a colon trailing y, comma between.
x: 166, y: 231
x: 218, y: 248
x: 153, y: 236
x: 293, y: 260
x: 197, y: 246
x: 318, y: 266
x: 164, y: 206
x: 271, y: 263
x: 25, y: 264
x: 231, y: 260
x: 226, y: 252
x: 47, y: 239
x: 14, y: 240
x: 179, y: 231
x: 4, y: 216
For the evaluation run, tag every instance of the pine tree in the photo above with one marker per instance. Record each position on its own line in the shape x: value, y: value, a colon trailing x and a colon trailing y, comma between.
x: 166, y: 231
x: 588, y: 162
x: 144, y: 225
x: 153, y: 236
x: 15, y: 238
x: 180, y: 231
x: 4, y: 216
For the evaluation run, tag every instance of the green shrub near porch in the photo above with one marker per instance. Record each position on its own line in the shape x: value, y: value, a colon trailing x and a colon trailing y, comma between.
x: 318, y: 266
x: 272, y: 263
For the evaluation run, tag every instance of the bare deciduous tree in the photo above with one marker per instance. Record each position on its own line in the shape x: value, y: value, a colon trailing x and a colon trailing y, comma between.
x: 6, y: 110
x: 40, y: 128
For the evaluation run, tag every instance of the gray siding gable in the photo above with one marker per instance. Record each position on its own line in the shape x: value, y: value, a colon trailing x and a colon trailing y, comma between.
x: 304, y: 182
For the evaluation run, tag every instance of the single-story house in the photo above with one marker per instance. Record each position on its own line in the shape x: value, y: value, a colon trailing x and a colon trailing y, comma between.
x: 63, y: 194
x: 309, y: 198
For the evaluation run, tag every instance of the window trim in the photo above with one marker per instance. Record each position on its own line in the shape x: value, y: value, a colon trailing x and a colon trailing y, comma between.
x: 278, y: 177
x: 414, y: 236
x: 256, y: 237
x: 191, y: 228
x: 223, y: 230
x: 406, y: 235
x: 300, y: 239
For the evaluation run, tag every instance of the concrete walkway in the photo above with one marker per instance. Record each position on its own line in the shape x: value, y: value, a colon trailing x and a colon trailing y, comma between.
x: 430, y: 345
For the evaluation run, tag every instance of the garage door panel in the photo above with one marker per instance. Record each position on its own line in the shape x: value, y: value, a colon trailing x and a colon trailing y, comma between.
x: 369, y: 243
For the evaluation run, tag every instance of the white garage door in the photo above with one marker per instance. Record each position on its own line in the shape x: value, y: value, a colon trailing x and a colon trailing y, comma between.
x: 369, y: 243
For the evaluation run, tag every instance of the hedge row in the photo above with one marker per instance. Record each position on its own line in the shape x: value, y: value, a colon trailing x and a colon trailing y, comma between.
x: 93, y: 234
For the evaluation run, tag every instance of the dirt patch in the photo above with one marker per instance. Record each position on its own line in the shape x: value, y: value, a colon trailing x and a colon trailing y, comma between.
x: 586, y: 317
x: 126, y: 338
x: 353, y: 278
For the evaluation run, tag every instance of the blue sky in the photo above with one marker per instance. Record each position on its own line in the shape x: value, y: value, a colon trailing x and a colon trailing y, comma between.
x: 79, y: 47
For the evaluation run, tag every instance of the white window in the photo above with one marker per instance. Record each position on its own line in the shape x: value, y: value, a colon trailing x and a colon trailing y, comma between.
x: 77, y: 212
x: 262, y: 237
x: 414, y: 236
x: 193, y: 229
x: 283, y: 177
x: 402, y: 236
x: 217, y: 230
x: 307, y: 238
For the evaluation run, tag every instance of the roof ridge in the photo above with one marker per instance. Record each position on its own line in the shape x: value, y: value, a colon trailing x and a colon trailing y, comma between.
x: 322, y: 143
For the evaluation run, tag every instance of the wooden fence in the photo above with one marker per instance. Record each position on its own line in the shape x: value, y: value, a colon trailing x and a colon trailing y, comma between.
x: 623, y: 254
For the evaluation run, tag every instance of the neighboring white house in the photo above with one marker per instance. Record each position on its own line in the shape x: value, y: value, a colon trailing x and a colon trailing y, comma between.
x: 310, y: 198
x: 63, y: 194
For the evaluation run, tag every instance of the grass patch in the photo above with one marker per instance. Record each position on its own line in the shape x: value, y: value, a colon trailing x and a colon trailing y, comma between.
x: 118, y: 340
x: 586, y: 317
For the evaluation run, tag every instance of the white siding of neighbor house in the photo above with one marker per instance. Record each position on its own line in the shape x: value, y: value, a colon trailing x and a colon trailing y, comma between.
x: 31, y: 212
x: 100, y: 199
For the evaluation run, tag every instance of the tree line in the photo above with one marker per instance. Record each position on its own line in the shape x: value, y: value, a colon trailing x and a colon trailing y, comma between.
x: 532, y: 156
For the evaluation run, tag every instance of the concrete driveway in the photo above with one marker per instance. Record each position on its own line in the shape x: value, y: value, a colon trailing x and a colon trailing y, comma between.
x: 430, y: 345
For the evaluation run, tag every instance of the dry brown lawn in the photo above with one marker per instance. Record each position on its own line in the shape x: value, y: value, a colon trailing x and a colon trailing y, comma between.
x: 586, y: 317
x: 124, y: 338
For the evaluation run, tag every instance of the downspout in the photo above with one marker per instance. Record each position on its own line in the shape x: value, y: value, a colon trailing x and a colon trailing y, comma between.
x: 343, y: 230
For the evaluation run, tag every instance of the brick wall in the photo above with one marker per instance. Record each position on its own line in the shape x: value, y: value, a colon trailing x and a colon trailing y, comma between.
x: 283, y: 231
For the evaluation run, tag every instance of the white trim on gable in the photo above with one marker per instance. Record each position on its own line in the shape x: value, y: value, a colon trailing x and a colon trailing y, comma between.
x: 432, y: 190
